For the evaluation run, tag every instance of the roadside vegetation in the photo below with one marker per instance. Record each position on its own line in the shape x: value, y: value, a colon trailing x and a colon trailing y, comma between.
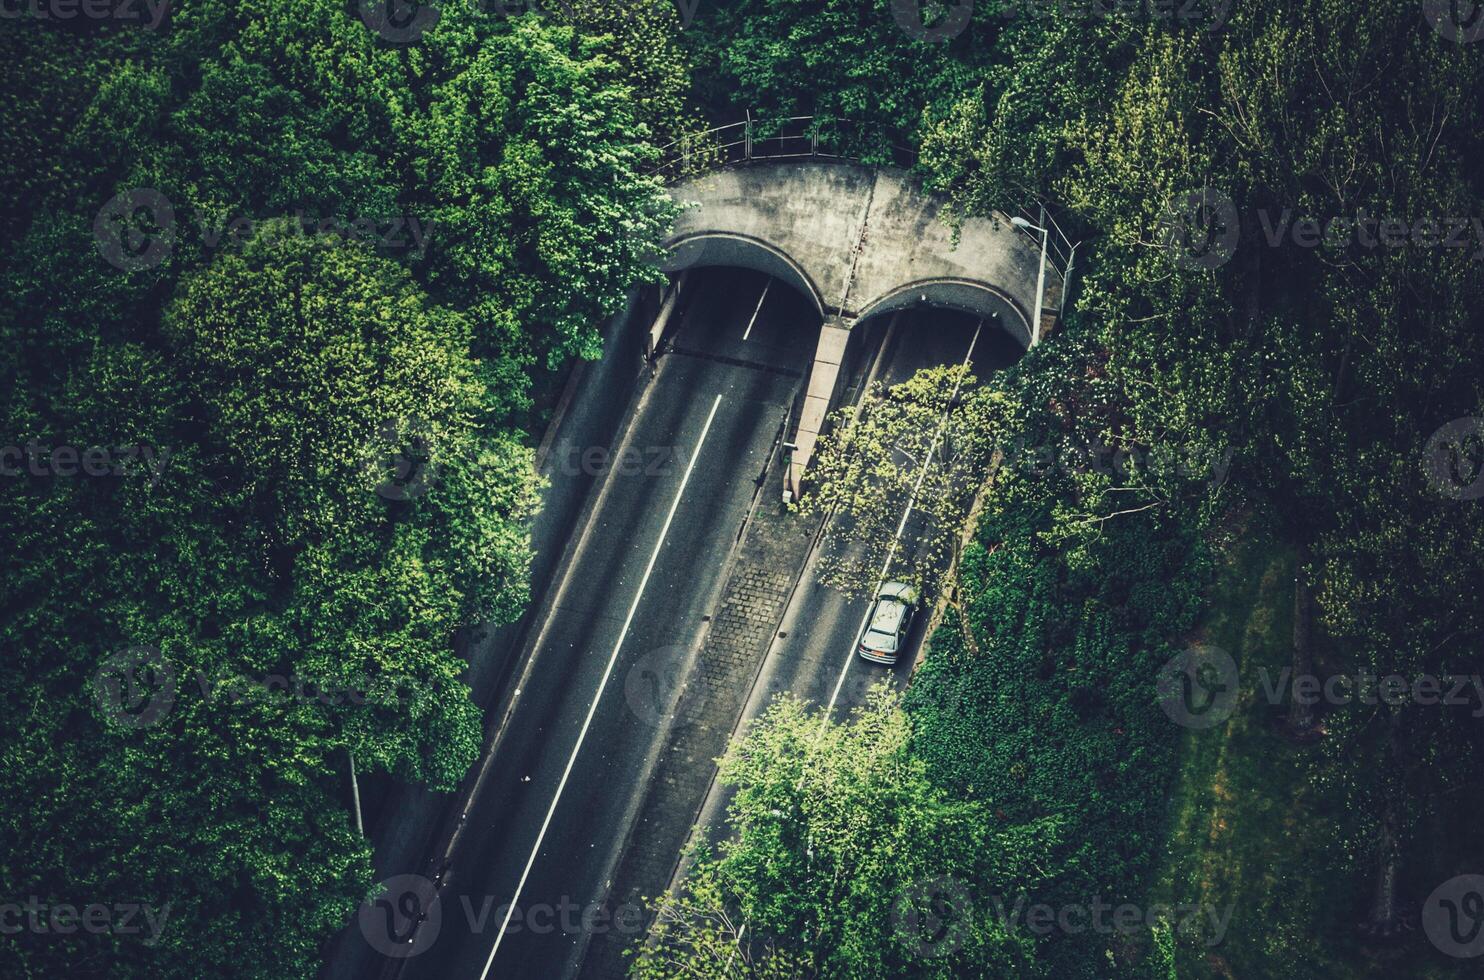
x: 927, y: 442
x: 301, y: 278
x: 1314, y: 392
x: 297, y: 282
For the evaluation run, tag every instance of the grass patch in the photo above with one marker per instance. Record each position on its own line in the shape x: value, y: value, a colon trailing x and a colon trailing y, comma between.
x: 1249, y: 831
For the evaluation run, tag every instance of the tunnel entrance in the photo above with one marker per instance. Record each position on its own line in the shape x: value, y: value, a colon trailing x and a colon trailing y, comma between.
x: 746, y: 316
x: 711, y: 250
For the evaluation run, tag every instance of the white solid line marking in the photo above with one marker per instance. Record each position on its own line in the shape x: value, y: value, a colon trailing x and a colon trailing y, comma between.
x: 902, y: 525
x: 608, y: 671
x: 755, y: 312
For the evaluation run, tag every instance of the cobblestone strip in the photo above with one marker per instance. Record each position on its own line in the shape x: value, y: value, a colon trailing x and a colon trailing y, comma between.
x: 768, y: 562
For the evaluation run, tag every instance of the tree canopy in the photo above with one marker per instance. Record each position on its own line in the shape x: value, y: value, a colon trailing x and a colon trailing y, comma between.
x: 291, y: 281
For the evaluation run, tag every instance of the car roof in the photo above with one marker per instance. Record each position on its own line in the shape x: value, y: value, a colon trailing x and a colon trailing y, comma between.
x: 888, y: 615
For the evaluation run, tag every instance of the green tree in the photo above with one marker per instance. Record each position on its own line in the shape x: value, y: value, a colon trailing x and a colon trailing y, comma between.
x: 275, y: 540
x: 342, y: 406
x: 846, y: 861
x: 1327, y: 364
x: 926, y: 443
x: 280, y: 380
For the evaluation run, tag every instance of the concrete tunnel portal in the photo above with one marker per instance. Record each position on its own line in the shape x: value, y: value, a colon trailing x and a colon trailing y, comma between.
x: 857, y: 242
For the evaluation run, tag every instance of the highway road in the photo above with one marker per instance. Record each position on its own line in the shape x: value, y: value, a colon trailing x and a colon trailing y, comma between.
x: 572, y: 754
x: 596, y: 688
x: 813, y: 656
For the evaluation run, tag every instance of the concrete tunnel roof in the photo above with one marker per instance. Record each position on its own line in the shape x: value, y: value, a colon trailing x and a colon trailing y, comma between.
x: 799, y: 221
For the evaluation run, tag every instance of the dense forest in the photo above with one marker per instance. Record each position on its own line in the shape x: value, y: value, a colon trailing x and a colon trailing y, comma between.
x: 1278, y: 284
x: 297, y: 276
x: 315, y: 277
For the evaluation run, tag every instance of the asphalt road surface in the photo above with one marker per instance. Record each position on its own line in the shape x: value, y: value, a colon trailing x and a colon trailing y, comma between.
x: 528, y: 886
x: 821, y: 625
x: 813, y: 656
x: 572, y: 755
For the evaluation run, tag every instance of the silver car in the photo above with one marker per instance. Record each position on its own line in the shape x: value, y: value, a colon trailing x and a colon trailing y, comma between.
x: 887, y: 625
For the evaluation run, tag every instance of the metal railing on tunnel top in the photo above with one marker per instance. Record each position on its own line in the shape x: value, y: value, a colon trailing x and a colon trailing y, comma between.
x: 805, y: 137
x: 796, y: 137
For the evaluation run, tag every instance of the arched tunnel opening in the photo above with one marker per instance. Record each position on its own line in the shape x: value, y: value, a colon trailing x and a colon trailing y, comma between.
x: 742, y: 314
x: 766, y: 315
x: 900, y: 340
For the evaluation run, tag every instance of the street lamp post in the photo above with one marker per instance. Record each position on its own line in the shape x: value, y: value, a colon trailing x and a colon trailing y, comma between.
x: 1020, y: 222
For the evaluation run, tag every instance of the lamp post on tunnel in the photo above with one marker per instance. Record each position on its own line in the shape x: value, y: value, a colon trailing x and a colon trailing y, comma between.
x: 1020, y: 222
